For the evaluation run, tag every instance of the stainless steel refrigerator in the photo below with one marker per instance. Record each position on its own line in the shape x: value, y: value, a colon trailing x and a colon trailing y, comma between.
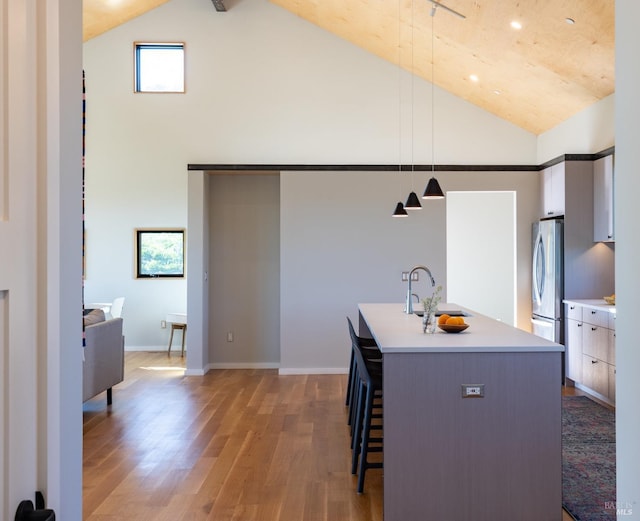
x: 547, y: 288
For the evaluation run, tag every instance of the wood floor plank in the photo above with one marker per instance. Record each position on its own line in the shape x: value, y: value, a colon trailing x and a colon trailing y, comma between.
x: 245, y: 445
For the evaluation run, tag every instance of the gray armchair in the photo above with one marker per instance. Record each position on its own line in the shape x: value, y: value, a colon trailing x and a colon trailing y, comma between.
x: 103, y: 358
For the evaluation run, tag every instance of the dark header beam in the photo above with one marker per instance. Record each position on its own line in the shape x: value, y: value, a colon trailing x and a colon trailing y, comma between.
x: 405, y: 168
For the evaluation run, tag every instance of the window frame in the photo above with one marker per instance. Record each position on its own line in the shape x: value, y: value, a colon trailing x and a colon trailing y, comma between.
x: 140, y: 271
x: 140, y: 46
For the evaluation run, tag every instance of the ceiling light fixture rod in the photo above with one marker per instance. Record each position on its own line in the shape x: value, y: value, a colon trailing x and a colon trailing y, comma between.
x: 433, y: 190
x: 438, y: 4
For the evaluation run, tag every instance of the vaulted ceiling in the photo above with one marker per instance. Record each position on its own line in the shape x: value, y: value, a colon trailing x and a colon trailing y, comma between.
x: 560, y: 60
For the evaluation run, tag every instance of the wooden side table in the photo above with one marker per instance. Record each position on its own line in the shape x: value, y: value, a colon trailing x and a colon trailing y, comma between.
x: 177, y: 321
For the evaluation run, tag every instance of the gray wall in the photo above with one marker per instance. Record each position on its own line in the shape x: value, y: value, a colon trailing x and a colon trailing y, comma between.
x: 340, y: 246
x: 244, y: 270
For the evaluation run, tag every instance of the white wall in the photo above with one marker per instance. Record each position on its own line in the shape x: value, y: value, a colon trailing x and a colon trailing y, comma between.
x: 263, y: 86
x: 627, y: 193
x: 340, y: 246
x: 589, y: 131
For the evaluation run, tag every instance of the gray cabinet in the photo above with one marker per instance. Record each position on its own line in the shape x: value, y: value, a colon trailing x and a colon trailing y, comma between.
x: 603, y: 200
x: 573, y: 355
x: 553, y: 191
x: 590, y: 349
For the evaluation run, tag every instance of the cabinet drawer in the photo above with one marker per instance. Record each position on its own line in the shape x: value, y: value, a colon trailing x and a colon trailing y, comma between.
x: 596, y: 317
x: 574, y: 312
x: 595, y: 341
x: 595, y: 374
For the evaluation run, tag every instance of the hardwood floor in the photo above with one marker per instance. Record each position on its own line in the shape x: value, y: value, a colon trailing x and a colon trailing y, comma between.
x: 232, y: 445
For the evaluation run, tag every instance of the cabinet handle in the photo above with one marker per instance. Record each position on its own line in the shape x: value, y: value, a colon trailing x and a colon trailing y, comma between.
x: 594, y: 361
x: 593, y: 312
x: 594, y: 329
x: 579, y: 325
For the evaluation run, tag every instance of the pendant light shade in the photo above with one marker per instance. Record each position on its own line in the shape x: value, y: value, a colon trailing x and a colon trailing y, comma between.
x: 400, y: 211
x: 433, y: 190
x: 413, y: 203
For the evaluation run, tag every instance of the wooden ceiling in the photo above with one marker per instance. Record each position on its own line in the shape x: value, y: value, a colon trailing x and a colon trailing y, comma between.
x: 98, y: 16
x: 534, y: 77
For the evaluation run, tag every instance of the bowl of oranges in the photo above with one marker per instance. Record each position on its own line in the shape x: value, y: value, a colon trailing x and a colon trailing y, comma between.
x: 451, y: 324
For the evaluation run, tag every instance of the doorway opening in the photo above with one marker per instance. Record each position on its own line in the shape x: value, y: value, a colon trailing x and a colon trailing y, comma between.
x: 481, y: 252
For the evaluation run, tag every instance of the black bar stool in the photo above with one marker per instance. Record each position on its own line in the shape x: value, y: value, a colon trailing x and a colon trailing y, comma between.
x: 369, y: 388
x: 370, y: 352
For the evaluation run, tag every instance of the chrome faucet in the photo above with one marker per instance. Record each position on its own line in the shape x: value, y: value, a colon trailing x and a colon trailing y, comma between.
x: 409, y: 304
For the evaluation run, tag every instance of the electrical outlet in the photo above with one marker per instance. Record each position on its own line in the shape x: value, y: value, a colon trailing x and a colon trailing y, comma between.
x: 163, y: 324
x: 473, y: 390
x: 415, y: 276
x: 230, y: 336
x: 405, y: 276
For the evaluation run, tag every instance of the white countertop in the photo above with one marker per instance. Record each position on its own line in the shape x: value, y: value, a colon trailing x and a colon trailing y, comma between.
x: 176, y: 318
x: 398, y: 332
x: 594, y: 303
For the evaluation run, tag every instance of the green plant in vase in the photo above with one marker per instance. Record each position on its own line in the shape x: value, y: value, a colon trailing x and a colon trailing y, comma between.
x: 430, y: 307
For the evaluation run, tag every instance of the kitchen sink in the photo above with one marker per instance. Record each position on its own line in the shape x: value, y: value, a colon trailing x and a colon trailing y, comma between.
x: 453, y: 313
x: 450, y: 312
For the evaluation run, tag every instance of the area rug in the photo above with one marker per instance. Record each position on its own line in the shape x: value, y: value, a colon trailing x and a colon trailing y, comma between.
x: 588, y: 459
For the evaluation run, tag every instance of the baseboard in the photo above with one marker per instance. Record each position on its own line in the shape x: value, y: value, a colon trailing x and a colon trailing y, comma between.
x: 283, y: 371
x: 152, y: 349
x: 312, y: 370
x: 243, y: 365
x: 603, y: 400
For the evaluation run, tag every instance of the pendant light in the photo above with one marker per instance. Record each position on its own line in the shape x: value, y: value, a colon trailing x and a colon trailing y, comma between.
x: 413, y: 203
x: 433, y: 190
x: 401, y: 210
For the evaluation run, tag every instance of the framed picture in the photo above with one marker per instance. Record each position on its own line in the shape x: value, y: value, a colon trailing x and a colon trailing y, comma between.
x: 159, y: 253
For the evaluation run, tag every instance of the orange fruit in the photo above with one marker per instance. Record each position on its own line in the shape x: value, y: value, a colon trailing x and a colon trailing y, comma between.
x: 442, y: 319
x: 455, y: 321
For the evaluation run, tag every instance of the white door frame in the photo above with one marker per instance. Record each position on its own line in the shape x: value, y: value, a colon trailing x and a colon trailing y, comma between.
x: 40, y: 255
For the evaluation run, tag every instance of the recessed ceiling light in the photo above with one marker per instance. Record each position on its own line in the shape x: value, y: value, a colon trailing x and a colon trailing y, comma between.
x: 497, y: 92
x: 516, y: 25
x: 473, y: 77
x: 570, y: 21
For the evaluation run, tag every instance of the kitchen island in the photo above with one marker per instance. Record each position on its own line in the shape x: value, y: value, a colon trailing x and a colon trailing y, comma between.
x: 492, y: 455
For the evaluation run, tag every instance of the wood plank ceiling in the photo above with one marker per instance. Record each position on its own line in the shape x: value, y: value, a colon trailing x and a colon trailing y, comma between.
x: 535, y: 77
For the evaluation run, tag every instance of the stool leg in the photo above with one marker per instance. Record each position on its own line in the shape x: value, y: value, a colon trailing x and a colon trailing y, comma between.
x: 184, y: 333
x: 350, y: 379
x: 356, y: 438
x: 170, y: 340
x: 366, y: 433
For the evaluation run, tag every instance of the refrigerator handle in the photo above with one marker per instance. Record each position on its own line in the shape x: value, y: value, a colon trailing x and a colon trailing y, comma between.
x: 538, y: 285
x: 542, y: 323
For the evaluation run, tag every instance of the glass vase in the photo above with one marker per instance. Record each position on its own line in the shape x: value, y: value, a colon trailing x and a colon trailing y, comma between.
x: 429, y: 322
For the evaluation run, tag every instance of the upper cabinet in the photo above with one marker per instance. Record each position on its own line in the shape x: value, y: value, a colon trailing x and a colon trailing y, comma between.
x: 553, y: 191
x: 603, y: 202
